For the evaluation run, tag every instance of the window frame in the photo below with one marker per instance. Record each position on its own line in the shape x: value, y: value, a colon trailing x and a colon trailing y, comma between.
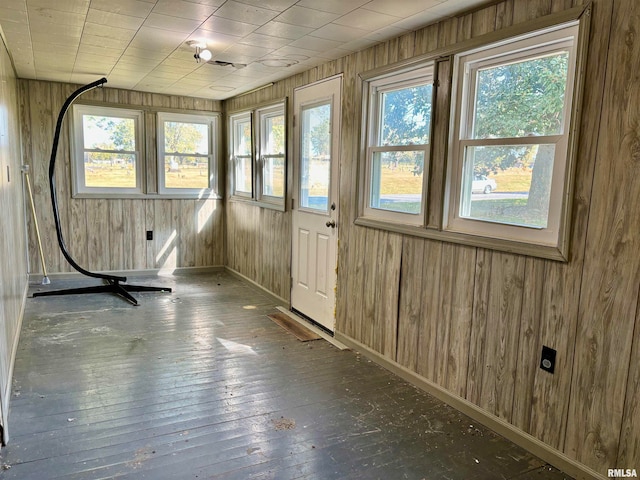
x: 373, y: 90
x: 466, y: 66
x: 212, y: 127
x: 234, y: 120
x: 257, y: 115
x: 439, y: 183
x: 147, y: 144
x: 78, y: 150
x: 263, y: 114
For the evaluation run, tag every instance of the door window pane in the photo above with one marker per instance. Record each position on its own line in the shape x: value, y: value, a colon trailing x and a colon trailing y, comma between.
x: 315, y: 164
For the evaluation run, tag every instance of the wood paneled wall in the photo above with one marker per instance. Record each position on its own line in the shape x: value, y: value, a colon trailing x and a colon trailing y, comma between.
x: 13, y: 254
x: 473, y: 320
x: 258, y: 242
x: 110, y: 234
x: 263, y: 254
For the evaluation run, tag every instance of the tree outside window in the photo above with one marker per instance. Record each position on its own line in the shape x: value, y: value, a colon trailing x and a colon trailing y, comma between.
x: 510, y: 156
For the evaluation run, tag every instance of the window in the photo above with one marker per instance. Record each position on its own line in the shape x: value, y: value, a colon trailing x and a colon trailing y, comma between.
x: 107, y: 156
x: 271, y: 154
x: 242, y: 154
x: 259, y: 174
x: 397, y: 139
x: 109, y: 159
x: 185, y: 154
x: 511, y: 137
x: 475, y: 143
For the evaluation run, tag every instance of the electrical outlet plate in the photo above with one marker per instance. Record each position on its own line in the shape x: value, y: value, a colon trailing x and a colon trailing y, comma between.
x: 149, y: 234
x: 548, y: 359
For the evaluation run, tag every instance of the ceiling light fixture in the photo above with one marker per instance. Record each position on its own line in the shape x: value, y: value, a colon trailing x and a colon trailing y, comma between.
x: 202, y: 54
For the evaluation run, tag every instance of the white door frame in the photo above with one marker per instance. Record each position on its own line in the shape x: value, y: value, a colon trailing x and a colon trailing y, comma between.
x: 315, y: 226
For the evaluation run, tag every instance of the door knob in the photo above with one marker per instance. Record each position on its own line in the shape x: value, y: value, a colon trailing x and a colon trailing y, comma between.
x: 331, y: 223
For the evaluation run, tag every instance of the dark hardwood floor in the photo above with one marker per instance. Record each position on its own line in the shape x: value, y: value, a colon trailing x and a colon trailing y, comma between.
x: 199, y: 383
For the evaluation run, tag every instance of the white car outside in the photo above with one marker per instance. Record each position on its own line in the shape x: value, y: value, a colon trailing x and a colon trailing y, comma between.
x: 482, y: 184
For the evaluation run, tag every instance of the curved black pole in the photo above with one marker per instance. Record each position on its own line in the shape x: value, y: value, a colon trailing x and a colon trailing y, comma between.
x: 52, y: 183
x: 113, y: 284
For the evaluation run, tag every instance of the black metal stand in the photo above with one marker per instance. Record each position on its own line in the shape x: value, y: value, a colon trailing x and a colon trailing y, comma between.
x: 113, y: 284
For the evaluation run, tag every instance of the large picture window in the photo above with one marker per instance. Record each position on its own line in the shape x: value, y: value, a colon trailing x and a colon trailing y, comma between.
x: 185, y: 154
x: 511, y: 138
x: 107, y: 151
x: 397, y: 139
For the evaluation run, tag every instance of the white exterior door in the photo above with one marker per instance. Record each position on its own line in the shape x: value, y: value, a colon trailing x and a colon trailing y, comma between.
x: 315, y: 200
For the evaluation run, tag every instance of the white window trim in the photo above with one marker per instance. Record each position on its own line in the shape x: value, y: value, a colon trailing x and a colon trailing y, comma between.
x: 79, y: 187
x: 372, y: 91
x: 233, y: 162
x: 466, y: 64
x: 440, y: 183
x: 212, y: 124
x: 256, y: 116
x: 263, y: 114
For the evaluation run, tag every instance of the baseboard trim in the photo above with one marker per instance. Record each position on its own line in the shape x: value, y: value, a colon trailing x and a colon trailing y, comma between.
x: 501, y: 427
x: 12, y: 363
x: 276, y: 298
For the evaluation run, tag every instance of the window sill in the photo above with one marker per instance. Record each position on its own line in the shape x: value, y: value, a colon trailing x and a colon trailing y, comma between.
x: 520, y: 248
x: 257, y: 203
x: 146, y: 196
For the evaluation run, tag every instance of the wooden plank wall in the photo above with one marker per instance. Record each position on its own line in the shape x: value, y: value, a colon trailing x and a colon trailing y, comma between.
x: 109, y: 234
x: 473, y: 320
x: 13, y: 249
x: 259, y: 239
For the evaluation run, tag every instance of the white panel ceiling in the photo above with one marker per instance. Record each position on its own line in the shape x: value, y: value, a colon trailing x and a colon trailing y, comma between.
x: 141, y: 44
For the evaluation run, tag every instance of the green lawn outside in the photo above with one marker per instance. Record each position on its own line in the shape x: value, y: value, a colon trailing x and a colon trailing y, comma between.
x: 510, y: 211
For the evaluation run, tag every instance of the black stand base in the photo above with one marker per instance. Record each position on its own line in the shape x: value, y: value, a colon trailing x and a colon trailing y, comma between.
x: 112, y: 286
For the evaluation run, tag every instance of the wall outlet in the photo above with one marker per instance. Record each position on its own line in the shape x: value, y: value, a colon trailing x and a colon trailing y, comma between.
x: 149, y: 234
x: 548, y: 360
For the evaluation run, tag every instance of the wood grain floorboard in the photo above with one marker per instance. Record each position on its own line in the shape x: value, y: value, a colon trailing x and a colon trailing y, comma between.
x: 200, y: 383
